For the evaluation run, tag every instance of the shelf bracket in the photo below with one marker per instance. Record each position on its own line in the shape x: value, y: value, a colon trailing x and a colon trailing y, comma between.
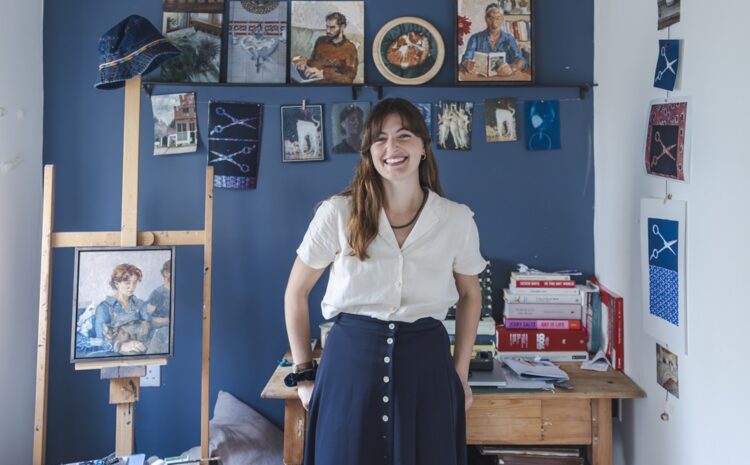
x: 355, y: 92
x: 583, y: 90
x: 148, y: 88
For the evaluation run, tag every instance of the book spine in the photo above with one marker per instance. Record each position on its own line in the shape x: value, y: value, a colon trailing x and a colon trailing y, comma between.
x: 481, y: 339
x: 544, y: 290
x: 556, y: 298
x: 542, y: 283
x: 540, y: 340
x: 559, y: 356
x: 543, y: 311
x: 512, y: 323
x: 619, y: 342
x: 539, y: 277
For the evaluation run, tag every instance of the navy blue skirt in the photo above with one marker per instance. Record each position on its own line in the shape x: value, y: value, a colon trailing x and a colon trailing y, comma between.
x: 386, y: 393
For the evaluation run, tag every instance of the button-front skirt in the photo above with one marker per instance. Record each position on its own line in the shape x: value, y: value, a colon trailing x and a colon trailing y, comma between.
x: 386, y: 393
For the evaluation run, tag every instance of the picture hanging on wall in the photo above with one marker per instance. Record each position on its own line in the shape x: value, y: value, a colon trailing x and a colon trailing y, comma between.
x: 426, y: 110
x: 175, y: 123
x: 257, y: 41
x: 347, y: 122
x: 668, y: 139
x: 669, y: 12
x: 663, y: 248
x: 302, y: 132
x: 667, y: 373
x: 234, y: 143
x: 454, y: 125
x: 542, y: 124
x: 500, y: 120
x: 494, y: 41
x: 327, y: 42
x: 408, y: 50
x: 667, y: 64
x: 124, y: 303
x: 194, y: 27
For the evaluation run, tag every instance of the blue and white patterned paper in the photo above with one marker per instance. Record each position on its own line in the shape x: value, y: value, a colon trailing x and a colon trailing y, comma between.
x: 663, y: 276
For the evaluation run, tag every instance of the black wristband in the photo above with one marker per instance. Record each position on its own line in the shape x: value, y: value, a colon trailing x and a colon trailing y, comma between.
x: 292, y: 379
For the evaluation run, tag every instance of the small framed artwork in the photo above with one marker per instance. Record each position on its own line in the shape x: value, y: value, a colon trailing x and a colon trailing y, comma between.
x: 500, y: 119
x: 454, y: 125
x: 175, y: 123
x: 257, y: 41
x: 124, y: 304
x: 668, y: 139
x: 542, y: 124
x: 494, y: 42
x: 327, y: 42
x: 408, y: 50
x: 669, y: 12
x: 302, y: 132
x: 347, y: 122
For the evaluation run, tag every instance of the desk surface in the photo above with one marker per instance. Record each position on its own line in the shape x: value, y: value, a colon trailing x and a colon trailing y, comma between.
x: 587, y: 385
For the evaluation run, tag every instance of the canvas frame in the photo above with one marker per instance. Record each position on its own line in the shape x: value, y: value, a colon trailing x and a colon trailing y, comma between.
x: 402, y: 22
x: 320, y: 131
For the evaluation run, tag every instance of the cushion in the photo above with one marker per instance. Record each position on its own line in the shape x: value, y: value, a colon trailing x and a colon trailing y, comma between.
x: 239, y: 435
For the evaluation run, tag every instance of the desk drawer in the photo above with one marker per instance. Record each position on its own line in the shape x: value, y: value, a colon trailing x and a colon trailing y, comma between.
x: 566, y: 421
x: 504, y: 421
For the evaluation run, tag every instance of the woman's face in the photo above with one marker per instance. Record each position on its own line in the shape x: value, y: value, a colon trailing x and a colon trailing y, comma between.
x: 396, y: 151
x: 126, y: 288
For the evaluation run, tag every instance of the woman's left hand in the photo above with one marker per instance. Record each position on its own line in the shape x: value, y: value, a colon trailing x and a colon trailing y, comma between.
x: 468, y: 395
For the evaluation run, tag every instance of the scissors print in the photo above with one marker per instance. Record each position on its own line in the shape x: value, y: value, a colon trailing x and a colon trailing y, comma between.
x: 218, y: 129
x: 664, y: 150
x: 230, y: 158
x: 668, y: 67
x: 667, y: 244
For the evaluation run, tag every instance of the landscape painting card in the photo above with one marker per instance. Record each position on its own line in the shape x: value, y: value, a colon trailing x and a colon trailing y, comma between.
x: 234, y: 143
x: 195, y: 28
x: 667, y: 64
x: 257, y: 41
x: 668, y: 139
x: 347, y: 122
x: 426, y: 110
x: 175, y: 123
x: 454, y: 125
x: 667, y: 373
x: 327, y: 42
x: 669, y: 12
x: 302, y: 132
x: 542, y: 124
x: 500, y: 119
x: 662, y: 231
x: 124, y: 303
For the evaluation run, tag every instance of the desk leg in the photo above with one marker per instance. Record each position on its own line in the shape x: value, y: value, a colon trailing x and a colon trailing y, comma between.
x: 295, y: 425
x: 600, y: 451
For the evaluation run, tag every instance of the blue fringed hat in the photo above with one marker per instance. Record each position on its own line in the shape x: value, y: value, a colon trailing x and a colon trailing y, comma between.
x: 132, y: 48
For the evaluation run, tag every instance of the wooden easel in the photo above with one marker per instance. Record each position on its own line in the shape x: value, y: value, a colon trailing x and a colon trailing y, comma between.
x: 124, y: 377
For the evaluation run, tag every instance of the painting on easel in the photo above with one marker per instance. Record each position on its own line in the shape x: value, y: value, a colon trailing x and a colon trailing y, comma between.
x: 124, y: 303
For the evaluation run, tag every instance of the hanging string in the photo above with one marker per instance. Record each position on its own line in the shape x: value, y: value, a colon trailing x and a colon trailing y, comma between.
x: 667, y: 194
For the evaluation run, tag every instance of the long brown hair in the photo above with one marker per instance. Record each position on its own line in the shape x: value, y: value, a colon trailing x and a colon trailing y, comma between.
x: 366, y: 189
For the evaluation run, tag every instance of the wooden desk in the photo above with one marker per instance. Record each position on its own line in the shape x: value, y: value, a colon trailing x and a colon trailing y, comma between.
x: 581, y: 416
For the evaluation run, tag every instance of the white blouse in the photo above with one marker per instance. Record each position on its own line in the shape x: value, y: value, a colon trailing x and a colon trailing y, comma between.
x: 394, y: 284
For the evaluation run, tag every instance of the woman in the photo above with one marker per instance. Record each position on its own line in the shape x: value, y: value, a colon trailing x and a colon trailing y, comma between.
x: 387, y: 390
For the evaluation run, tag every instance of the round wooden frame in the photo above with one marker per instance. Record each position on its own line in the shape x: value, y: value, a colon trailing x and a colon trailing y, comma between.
x: 376, y: 45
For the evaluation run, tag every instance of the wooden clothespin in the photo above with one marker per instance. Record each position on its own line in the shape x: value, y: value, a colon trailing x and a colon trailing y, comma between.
x: 304, y: 104
x: 667, y: 194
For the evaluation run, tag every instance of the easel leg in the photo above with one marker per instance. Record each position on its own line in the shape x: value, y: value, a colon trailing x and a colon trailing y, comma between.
x: 124, y: 392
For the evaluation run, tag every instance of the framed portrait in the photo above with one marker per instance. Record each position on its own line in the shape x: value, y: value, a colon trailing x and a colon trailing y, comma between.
x: 327, y: 42
x: 302, y: 132
x: 408, y: 50
x: 347, y: 122
x: 494, y: 41
x: 123, y: 305
x: 257, y: 41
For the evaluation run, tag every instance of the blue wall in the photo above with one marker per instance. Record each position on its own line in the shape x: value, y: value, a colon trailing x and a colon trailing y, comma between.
x: 531, y: 207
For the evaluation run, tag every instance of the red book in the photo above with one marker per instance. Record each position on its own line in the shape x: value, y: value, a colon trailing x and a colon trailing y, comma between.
x: 540, y: 339
x: 512, y: 323
x: 542, y: 283
x: 613, y: 305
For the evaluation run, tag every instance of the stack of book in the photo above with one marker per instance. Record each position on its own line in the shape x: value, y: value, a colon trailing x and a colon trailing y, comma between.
x: 486, y: 336
x: 540, y: 455
x: 544, y: 317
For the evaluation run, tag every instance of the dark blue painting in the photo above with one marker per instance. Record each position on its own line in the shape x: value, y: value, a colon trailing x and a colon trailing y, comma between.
x: 234, y: 143
x: 666, y: 64
x: 542, y: 124
x: 663, y: 275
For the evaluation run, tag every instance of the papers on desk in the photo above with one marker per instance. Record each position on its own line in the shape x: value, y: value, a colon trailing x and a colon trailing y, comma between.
x: 535, y: 369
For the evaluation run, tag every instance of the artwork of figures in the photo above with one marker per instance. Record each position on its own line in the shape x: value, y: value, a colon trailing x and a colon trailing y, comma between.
x: 408, y: 50
x: 494, y: 41
x: 667, y: 140
x: 234, y: 143
x: 302, y: 132
x: 542, y: 124
x: 500, y: 119
x: 123, y: 303
x: 454, y: 125
x: 669, y: 12
x: 667, y: 374
x: 327, y: 42
x: 667, y: 64
x: 175, y: 123
x: 663, y: 271
x: 426, y: 110
x: 194, y: 27
x: 347, y: 122
x: 257, y: 41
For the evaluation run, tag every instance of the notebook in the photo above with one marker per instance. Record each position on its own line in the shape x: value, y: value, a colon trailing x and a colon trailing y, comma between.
x: 494, y: 378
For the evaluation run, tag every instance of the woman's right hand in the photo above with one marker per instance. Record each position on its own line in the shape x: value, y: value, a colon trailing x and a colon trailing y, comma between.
x: 304, y: 391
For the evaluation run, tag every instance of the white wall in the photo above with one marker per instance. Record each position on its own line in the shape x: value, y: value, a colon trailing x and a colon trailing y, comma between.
x: 20, y: 221
x: 709, y: 421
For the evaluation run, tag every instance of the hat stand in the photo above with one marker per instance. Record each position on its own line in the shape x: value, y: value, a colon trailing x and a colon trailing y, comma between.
x: 124, y: 376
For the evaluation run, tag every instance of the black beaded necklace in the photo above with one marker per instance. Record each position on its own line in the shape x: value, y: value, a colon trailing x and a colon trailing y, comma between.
x: 424, y: 201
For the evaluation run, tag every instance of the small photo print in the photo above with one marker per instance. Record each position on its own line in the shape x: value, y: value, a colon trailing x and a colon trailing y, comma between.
x: 123, y: 303
x: 426, y: 110
x: 667, y: 64
x: 666, y: 370
x: 500, y: 119
x: 454, y: 125
x: 542, y: 124
x: 175, y: 123
x: 194, y: 27
x: 347, y: 122
x: 257, y: 41
x: 667, y: 151
x: 669, y: 12
x: 302, y: 133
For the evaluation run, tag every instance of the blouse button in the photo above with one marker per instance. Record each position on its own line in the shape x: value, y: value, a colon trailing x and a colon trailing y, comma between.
x: 389, y: 340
